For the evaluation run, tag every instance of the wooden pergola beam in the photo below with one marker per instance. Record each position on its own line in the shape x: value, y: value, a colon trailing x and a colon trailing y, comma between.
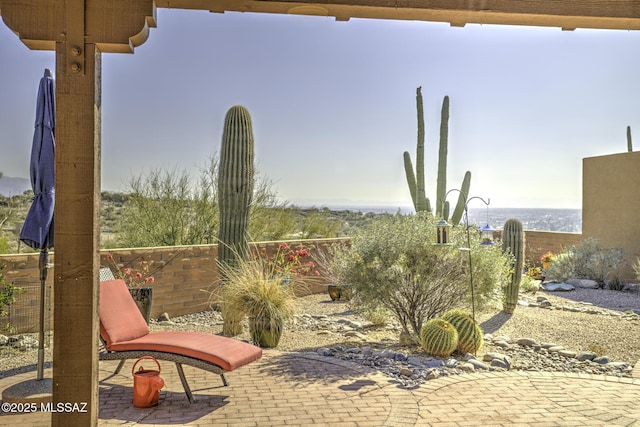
x: 79, y: 31
x: 565, y: 14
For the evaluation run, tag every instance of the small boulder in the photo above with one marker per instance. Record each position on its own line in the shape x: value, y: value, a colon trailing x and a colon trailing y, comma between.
x: 602, y: 360
x: 406, y: 372
x: 164, y: 317
x: 584, y: 283
x: 554, y: 287
x: 527, y: 342
x: 586, y: 355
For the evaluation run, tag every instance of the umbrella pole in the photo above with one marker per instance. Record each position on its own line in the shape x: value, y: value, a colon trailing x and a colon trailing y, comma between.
x: 43, y: 263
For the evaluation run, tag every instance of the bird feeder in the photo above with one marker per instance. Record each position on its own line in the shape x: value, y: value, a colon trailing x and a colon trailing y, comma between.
x: 486, y: 234
x: 442, y: 232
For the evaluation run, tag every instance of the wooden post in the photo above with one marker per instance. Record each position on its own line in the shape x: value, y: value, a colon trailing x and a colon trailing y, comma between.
x: 76, y: 222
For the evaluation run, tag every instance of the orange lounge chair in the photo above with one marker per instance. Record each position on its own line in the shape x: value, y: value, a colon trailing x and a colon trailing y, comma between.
x: 127, y: 336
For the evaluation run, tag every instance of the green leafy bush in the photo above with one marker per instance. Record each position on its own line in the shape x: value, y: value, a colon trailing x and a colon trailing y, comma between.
x: 165, y: 208
x: 4, y: 245
x: 529, y: 284
x: 615, y: 283
x: 8, y: 293
x: 588, y: 261
x: 394, y: 263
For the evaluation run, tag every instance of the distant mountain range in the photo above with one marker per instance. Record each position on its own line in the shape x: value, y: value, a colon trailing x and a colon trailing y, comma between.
x: 12, y: 186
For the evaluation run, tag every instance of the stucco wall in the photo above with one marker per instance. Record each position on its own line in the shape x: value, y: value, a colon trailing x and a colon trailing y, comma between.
x: 611, y: 203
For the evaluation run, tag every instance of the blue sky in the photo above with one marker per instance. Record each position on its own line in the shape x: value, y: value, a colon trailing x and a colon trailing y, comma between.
x: 333, y: 103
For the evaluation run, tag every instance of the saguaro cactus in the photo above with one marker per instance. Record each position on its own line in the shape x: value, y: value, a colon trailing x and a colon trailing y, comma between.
x: 235, y: 184
x: 513, y: 242
x: 629, y: 143
x: 416, y: 181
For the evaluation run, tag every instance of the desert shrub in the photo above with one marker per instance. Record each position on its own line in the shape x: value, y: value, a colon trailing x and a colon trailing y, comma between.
x: 378, y: 316
x: 393, y: 263
x: 563, y: 266
x: 529, y: 284
x: 8, y: 292
x: 4, y: 245
x: 595, y: 262
x: 636, y: 268
x: 615, y: 284
x: 165, y: 208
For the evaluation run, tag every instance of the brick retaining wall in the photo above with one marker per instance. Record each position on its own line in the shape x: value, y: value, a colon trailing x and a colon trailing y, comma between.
x: 184, y: 275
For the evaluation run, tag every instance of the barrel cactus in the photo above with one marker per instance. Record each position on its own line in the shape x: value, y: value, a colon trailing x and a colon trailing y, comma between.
x: 235, y: 184
x: 470, y: 337
x: 438, y: 338
x: 513, y: 243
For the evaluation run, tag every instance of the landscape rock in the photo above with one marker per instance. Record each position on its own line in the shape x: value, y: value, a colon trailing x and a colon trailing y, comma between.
x: 478, y: 364
x: 406, y: 372
x: 496, y: 363
x: 603, y: 360
x: 584, y: 283
x: 466, y: 367
x: 527, y: 342
x: 567, y: 353
x: 554, y: 286
x: 586, y: 355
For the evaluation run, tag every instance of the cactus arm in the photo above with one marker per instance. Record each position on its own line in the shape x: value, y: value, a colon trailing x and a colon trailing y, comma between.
x: 420, y: 153
x: 411, y: 179
x: 427, y: 203
x: 442, y: 156
x: 629, y: 143
x: 445, y: 210
x: 462, y: 199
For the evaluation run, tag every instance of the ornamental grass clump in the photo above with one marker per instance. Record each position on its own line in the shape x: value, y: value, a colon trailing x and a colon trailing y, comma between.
x: 250, y: 290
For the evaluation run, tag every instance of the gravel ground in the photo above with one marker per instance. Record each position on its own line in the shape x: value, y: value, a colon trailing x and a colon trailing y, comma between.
x: 617, y: 337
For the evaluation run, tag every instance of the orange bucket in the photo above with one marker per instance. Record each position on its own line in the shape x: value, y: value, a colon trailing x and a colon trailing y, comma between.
x: 146, y: 385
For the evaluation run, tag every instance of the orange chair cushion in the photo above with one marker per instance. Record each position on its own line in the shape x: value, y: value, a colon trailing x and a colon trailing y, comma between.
x: 123, y: 328
x: 120, y: 319
x: 228, y: 353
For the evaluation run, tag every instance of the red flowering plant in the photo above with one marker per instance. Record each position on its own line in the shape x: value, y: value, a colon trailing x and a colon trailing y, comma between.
x: 547, y: 257
x: 133, y: 277
x: 288, y: 263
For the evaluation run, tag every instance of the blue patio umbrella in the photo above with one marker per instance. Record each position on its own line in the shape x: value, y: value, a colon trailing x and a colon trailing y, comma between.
x: 37, y: 230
